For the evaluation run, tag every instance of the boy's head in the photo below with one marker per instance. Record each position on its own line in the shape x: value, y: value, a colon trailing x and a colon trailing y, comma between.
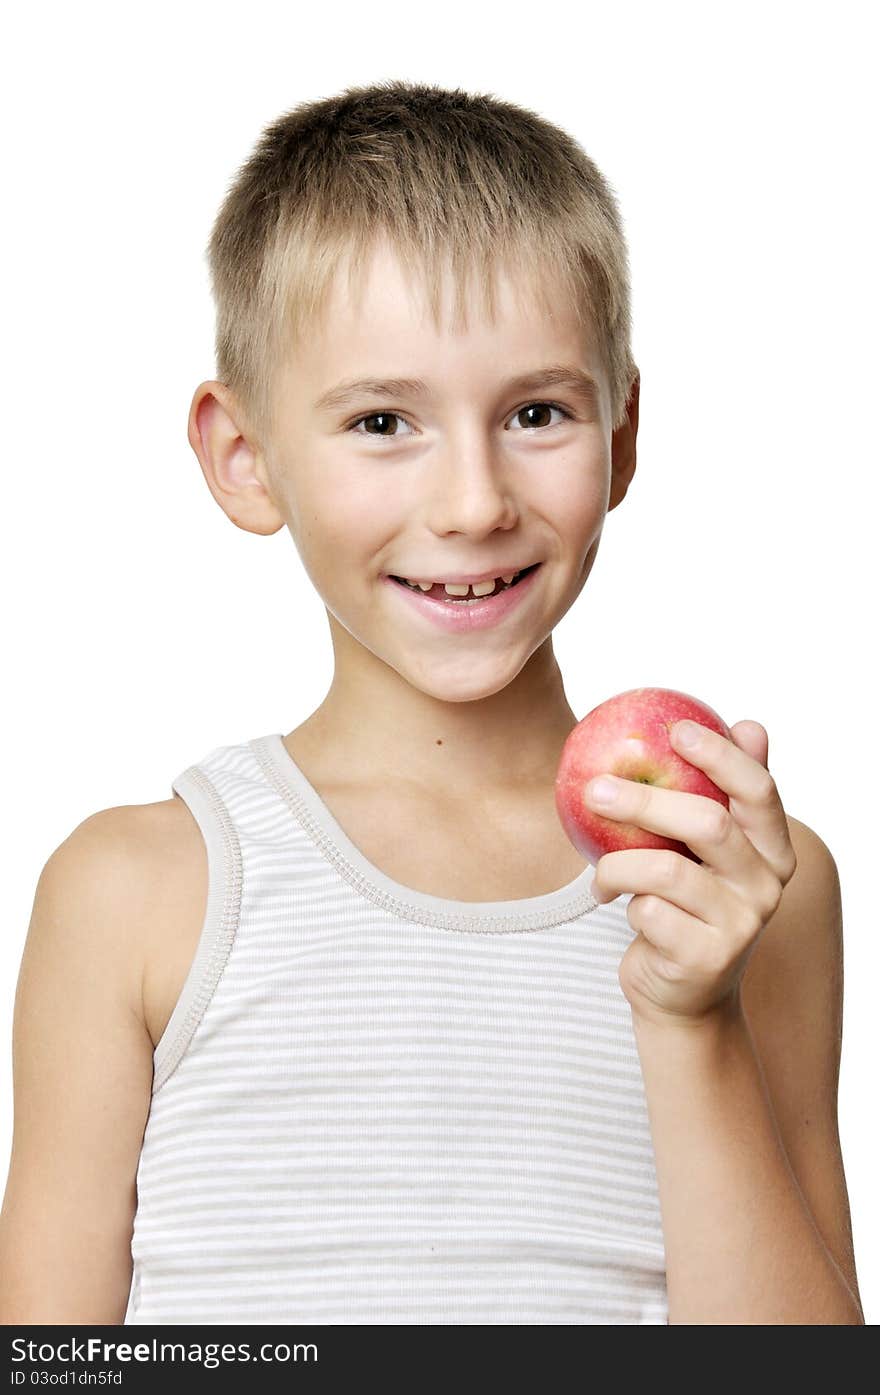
x: 397, y: 233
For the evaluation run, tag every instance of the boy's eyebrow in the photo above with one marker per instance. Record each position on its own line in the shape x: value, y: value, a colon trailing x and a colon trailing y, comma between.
x: 557, y: 375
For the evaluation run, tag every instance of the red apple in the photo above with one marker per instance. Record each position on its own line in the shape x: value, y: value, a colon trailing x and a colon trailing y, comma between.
x: 629, y: 736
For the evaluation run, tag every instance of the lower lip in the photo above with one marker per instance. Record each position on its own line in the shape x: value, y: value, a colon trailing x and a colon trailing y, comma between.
x: 475, y: 615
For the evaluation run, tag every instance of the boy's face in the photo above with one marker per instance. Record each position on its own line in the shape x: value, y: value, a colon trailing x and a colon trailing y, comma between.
x: 471, y: 476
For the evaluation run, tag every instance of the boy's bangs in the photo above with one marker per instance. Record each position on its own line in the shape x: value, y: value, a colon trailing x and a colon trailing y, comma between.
x: 543, y: 271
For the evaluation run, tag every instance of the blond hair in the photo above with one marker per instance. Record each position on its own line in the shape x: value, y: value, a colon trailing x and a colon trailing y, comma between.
x: 451, y: 178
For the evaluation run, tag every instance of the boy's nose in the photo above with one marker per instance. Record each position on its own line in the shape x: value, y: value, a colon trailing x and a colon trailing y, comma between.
x: 472, y: 491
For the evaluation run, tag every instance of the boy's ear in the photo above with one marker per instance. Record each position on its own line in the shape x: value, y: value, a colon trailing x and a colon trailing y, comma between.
x: 220, y: 438
x: 623, y: 448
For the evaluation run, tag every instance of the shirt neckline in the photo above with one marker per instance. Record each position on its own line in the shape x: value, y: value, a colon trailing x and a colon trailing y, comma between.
x: 528, y: 913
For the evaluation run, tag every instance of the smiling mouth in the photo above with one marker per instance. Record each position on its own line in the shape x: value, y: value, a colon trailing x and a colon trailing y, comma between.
x: 438, y: 592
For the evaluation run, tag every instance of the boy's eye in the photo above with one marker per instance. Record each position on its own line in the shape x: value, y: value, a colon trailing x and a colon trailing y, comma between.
x: 387, y: 423
x: 537, y: 412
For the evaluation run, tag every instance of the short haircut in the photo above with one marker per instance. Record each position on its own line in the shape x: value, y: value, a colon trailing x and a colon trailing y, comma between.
x: 452, y: 179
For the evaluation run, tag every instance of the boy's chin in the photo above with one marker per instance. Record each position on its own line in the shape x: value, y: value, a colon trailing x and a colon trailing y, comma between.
x: 467, y: 682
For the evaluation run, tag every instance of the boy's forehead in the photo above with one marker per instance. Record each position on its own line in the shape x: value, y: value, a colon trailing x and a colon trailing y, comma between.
x: 380, y: 324
x: 386, y: 284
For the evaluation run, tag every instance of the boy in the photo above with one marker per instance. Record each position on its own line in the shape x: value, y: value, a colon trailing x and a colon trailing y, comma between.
x: 346, y: 1031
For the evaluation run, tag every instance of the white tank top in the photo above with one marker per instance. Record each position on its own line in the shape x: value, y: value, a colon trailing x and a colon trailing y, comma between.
x: 374, y: 1105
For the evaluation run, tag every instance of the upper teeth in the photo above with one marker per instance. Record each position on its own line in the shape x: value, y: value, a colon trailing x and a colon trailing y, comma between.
x: 478, y: 588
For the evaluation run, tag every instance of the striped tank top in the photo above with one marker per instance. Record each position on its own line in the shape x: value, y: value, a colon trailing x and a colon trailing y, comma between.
x: 374, y: 1105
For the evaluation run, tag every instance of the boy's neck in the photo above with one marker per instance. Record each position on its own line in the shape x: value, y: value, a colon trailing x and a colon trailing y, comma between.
x: 375, y: 726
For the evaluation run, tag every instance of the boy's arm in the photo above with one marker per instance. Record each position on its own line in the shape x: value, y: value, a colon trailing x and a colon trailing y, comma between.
x: 744, y: 1123
x: 792, y: 994
x: 82, y: 1077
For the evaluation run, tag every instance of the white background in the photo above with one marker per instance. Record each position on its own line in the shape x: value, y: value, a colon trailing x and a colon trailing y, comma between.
x: 143, y: 629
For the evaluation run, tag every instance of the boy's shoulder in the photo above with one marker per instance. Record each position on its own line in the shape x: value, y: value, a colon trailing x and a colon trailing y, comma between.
x: 144, y: 831
x: 151, y: 858
x: 140, y: 845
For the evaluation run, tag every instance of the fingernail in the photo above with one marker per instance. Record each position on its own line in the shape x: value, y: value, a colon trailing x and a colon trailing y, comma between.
x: 602, y: 791
x: 687, y: 733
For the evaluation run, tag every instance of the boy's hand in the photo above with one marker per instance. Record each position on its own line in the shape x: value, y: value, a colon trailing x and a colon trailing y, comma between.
x: 698, y: 922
